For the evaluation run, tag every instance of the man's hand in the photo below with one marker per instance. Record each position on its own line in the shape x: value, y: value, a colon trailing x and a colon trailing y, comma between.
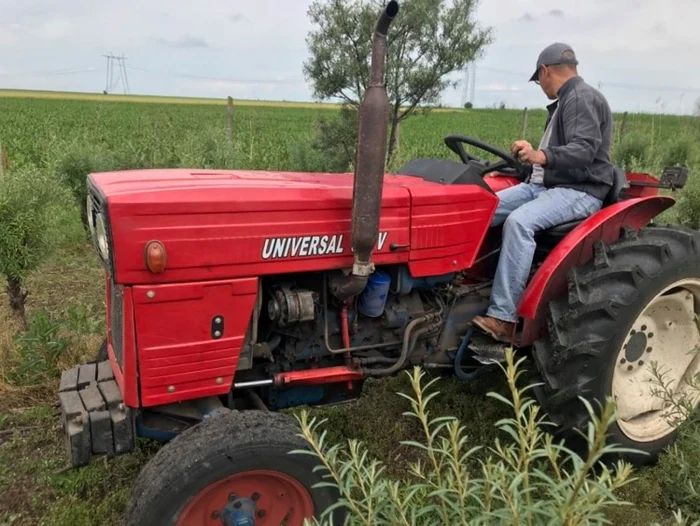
x: 527, y: 154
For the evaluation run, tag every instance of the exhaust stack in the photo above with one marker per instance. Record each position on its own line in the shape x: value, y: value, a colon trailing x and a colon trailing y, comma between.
x: 369, y: 164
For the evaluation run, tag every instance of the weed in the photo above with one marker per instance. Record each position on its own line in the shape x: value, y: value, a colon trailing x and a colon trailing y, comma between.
x: 39, y: 350
x: 528, y: 479
x: 77, y: 163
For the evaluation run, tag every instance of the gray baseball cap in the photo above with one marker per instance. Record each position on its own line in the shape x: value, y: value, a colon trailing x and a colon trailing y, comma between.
x: 557, y: 53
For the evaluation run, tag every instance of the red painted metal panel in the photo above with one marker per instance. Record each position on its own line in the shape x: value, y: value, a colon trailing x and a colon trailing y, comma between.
x: 642, y: 191
x: 448, y: 225
x: 216, y: 225
x: 179, y: 359
x: 127, y: 379
x: 576, y: 249
x: 498, y: 182
x: 118, y: 374
x: 326, y: 375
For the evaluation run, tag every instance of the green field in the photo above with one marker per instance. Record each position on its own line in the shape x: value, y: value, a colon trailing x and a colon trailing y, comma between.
x: 66, y: 309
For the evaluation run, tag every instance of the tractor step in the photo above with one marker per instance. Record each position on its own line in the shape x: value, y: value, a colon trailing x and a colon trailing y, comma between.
x: 94, y: 417
x: 486, y: 350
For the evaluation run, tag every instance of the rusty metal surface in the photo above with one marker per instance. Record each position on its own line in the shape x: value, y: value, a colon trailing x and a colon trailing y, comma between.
x: 370, y: 162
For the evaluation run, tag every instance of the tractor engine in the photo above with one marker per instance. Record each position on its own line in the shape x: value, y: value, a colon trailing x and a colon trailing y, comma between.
x: 396, y: 322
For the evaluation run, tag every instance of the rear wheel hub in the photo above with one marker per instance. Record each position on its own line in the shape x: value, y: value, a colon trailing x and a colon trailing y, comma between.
x: 662, y: 346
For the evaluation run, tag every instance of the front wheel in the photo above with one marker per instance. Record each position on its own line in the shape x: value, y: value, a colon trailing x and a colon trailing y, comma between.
x: 227, y: 459
x: 629, y: 316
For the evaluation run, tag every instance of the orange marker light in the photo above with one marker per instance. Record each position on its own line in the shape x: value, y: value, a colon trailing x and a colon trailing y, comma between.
x: 155, y: 256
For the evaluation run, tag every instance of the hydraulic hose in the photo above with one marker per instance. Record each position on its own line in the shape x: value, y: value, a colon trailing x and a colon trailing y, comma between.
x: 459, y: 372
x: 410, y: 343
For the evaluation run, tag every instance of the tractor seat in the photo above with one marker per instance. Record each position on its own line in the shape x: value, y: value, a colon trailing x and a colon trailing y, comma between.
x: 548, y: 239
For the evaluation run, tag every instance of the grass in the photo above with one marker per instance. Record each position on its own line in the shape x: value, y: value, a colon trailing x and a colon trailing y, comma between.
x: 67, y: 297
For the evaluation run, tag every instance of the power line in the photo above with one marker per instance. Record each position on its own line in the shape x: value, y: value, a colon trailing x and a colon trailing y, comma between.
x: 55, y: 73
x: 221, y: 79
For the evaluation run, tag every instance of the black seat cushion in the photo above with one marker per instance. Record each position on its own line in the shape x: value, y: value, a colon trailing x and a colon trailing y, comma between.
x: 548, y: 239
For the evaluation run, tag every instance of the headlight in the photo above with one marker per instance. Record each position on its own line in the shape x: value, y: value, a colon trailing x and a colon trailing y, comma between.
x: 101, y: 234
x: 90, y: 215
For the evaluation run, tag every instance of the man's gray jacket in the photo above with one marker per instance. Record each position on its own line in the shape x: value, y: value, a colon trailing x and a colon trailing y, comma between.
x: 578, y: 153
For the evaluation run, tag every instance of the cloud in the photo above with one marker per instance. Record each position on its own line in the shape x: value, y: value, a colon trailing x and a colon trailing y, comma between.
x: 557, y: 13
x: 184, y: 41
x: 527, y: 17
x: 659, y: 28
x: 237, y: 17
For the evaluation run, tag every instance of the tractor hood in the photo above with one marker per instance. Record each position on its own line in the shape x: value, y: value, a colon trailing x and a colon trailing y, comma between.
x: 217, y: 224
x: 168, y: 184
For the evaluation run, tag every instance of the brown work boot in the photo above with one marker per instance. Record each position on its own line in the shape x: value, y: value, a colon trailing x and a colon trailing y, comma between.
x: 499, y: 330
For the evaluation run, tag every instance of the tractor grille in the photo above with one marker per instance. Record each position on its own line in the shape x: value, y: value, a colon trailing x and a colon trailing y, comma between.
x: 117, y: 323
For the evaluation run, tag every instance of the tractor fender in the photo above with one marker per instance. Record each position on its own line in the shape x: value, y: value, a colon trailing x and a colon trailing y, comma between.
x: 576, y: 249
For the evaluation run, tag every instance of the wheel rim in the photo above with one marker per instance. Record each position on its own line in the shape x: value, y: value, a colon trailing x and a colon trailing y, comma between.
x: 664, y: 336
x: 279, y: 499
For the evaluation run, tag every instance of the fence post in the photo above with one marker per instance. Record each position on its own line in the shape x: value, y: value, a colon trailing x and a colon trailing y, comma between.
x: 623, y: 124
x: 4, y: 161
x: 523, y: 128
x: 229, y: 120
x: 395, y: 146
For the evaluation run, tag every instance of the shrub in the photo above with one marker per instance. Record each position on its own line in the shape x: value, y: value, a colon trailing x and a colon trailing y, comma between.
x: 679, y: 466
x: 76, y: 164
x: 26, y: 199
x: 468, y: 105
x: 528, y: 480
x: 678, y: 151
x: 39, y: 350
x: 687, y: 209
x: 632, y: 151
x: 332, y: 148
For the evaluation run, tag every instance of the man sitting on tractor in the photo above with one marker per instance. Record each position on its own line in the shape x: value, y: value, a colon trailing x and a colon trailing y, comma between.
x: 571, y: 173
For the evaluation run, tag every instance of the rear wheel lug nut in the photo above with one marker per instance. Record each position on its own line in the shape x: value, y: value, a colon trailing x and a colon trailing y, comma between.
x: 623, y: 361
x: 261, y: 513
x: 630, y: 367
x: 640, y: 363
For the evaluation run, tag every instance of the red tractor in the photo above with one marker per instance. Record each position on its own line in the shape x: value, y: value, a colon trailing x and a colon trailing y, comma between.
x: 232, y: 294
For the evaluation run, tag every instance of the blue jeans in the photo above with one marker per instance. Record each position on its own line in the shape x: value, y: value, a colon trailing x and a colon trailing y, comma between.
x: 526, y: 209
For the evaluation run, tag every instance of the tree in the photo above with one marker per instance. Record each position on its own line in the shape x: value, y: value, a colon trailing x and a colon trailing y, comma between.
x: 696, y: 109
x: 427, y: 42
x: 26, y: 198
x: 468, y: 105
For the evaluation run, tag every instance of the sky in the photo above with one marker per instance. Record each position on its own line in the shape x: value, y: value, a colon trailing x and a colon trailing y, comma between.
x: 643, y: 54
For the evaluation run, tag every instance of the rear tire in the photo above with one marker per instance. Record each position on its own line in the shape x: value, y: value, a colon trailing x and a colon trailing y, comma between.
x: 240, y: 453
x: 635, y: 303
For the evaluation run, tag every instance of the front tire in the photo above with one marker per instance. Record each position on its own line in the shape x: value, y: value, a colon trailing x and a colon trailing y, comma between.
x: 247, y: 454
x: 102, y: 354
x: 634, y: 304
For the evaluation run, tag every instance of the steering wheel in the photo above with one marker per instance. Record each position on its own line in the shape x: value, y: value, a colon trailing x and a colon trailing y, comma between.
x: 508, y: 165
